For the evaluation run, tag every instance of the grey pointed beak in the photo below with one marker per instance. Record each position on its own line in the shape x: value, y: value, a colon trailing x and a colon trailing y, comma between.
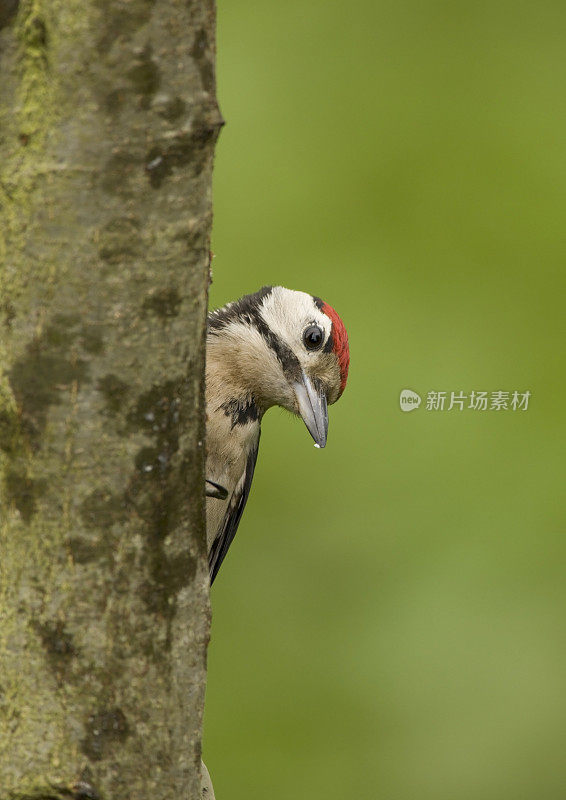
x: 313, y: 409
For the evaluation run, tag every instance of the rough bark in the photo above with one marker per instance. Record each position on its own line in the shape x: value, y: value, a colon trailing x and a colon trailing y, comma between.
x: 108, y: 120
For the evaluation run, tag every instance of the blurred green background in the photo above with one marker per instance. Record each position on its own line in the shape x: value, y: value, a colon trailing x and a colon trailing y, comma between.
x: 389, y: 622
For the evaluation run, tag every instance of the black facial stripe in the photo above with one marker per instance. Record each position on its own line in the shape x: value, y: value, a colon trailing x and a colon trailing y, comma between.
x: 329, y: 343
x: 246, y: 310
x: 241, y: 411
x: 241, y: 310
x: 285, y: 356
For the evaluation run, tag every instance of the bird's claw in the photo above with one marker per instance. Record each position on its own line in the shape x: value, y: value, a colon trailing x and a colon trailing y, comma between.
x: 216, y: 490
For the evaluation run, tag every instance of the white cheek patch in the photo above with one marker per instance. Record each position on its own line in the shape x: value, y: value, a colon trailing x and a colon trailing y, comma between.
x: 288, y: 313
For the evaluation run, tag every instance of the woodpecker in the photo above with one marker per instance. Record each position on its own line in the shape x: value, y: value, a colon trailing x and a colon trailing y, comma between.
x: 275, y: 347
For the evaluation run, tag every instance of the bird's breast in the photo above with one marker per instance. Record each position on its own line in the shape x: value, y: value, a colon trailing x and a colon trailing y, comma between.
x: 228, y: 446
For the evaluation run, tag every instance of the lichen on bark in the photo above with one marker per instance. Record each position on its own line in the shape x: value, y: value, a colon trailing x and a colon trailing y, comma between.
x: 108, y: 121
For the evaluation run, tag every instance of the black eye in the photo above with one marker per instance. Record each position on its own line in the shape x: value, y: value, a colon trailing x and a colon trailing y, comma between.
x: 313, y: 337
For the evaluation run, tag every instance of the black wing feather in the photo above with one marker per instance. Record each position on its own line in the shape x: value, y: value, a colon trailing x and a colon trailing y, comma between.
x: 232, y: 517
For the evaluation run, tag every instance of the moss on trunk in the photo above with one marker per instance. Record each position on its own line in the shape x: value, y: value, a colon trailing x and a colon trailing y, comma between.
x: 108, y: 121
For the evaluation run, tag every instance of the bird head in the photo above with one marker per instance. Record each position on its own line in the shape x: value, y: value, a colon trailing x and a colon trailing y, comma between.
x: 292, y: 351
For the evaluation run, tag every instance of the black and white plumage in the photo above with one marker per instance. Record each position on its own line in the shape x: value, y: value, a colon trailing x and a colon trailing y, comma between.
x: 274, y: 347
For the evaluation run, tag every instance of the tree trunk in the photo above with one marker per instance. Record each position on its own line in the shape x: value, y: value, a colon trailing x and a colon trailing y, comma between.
x: 108, y: 121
